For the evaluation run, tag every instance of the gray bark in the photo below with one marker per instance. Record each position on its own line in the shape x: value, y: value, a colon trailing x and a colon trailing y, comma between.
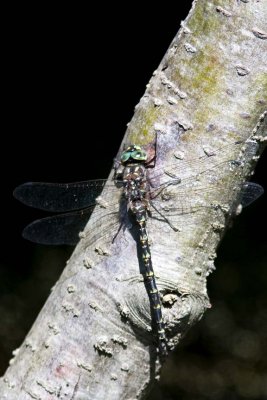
x: 92, y: 339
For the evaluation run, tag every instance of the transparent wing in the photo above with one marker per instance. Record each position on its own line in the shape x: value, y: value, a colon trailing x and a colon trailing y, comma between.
x: 58, y: 229
x: 183, y: 168
x: 183, y: 193
x: 250, y: 192
x: 178, y: 198
x: 190, y: 185
x: 65, y: 228
x: 59, y: 197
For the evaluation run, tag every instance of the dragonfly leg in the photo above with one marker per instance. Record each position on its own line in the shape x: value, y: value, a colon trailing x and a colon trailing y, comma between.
x: 154, y: 158
x: 164, y: 185
x: 118, y: 231
x: 165, y: 219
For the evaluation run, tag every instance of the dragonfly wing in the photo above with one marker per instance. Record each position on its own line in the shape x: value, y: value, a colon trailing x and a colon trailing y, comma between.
x: 59, y: 197
x: 58, y: 229
x: 194, y: 199
x: 65, y: 228
x: 250, y: 192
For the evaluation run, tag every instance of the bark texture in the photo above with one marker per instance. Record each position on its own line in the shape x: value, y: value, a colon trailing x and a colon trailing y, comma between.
x: 205, y: 104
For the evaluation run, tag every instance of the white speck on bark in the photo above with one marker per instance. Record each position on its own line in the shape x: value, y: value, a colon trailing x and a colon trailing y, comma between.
x: 94, y: 306
x: 71, y: 288
x: 125, y: 367
x: 186, y: 30
x: 87, y: 262
x: 259, y: 33
x: 242, y: 71
x: 171, y: 100
x: 85, y: 366
x: 158, y: 102
x: 189, y: 48
x: 224, y: 12
x: 179, y: 155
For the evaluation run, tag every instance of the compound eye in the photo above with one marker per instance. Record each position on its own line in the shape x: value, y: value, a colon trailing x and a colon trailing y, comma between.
x: 125, y: 156
x: 139, y: 155
x: 133, y: 153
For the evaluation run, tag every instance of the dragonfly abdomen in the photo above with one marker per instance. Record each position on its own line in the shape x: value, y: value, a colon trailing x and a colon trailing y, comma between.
x: 149, y: 279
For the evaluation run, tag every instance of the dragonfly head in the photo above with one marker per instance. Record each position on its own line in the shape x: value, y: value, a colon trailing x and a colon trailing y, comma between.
x: 133, y: 153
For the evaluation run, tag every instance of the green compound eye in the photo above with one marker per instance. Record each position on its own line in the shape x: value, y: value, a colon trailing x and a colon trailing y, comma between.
x: 133, y: 153
x: 125, y: 156
x: 139, y: 155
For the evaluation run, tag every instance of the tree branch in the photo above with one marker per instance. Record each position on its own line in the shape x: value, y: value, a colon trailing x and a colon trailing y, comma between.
x: 205, y: 103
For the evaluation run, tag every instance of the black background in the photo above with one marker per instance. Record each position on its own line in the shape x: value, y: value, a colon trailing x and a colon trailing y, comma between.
x: 72, y: 78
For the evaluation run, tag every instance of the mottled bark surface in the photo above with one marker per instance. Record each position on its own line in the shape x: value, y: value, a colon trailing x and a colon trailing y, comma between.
x: 205, y: 105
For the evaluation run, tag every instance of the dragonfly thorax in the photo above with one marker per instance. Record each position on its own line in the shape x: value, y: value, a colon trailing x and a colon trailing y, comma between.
x: 134, y: 182
x: 134, y: 173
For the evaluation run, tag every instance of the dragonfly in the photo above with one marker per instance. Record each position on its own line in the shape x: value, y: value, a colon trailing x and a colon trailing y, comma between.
x: 144, y: 193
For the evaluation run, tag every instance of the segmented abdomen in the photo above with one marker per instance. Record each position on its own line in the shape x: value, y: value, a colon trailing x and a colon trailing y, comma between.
x: 149, y: 280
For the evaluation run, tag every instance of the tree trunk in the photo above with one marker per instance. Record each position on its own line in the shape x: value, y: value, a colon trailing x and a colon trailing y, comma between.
x: 203, y: 112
